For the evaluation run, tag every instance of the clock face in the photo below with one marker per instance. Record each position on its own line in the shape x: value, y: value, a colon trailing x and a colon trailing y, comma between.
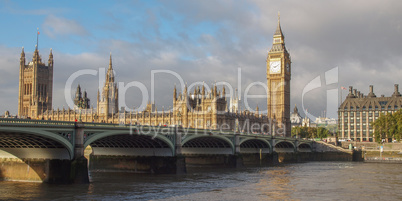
x: 275, y: 67
x: 288, y: 67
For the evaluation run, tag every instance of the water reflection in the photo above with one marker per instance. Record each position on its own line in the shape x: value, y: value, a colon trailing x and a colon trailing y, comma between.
x: 305, y: 181
x: 275, y: 184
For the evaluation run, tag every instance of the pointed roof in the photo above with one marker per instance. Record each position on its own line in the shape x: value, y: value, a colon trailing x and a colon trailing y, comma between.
x: 295, y: 110
x: 22, y: 52
x: 278, y: 31
x: 110, y: 61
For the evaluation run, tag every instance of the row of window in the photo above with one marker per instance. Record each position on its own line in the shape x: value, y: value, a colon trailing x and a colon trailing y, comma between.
x: 395, y: 107
x: 352, y: 114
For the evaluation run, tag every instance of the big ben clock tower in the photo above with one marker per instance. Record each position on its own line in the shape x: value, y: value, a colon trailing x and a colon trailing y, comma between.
x: 278, y: 81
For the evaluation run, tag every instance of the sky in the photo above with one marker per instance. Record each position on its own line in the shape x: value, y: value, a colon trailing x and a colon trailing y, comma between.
x: 332, y: 44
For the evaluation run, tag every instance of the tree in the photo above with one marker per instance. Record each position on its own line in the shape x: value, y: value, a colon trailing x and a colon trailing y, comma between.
x: 300, y: 131
x: 388, y: 126
x: 295, y: 131
x: 379, y: 126
x: 398, y: 120
x: 322, y: 132
x: 312, y: 132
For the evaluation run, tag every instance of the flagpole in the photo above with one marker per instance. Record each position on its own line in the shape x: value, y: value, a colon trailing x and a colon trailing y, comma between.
x: 37, y: 37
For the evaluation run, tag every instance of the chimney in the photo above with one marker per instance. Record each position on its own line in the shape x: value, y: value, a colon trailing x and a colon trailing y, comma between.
x: 355, y: 92
x: 371, y: 94
x: 396, y: 91
x: 350, y: 95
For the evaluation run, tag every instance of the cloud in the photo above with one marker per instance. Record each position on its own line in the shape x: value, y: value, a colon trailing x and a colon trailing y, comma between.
x: 57, y: 26
x: 209, y: 42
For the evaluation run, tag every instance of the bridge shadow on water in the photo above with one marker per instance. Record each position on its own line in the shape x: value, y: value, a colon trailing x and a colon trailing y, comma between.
x: 26, y: 157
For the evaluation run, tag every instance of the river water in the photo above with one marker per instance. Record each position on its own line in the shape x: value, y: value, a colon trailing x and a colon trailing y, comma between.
x: 299, y: 181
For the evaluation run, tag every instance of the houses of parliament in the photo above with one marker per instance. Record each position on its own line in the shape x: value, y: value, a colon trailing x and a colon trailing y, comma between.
x: 191, y: 109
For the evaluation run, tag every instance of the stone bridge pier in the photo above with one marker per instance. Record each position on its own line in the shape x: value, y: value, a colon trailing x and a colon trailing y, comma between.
x: 79, y: 164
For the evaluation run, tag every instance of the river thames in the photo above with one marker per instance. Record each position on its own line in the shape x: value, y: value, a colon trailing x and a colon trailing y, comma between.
x: 298, y: 181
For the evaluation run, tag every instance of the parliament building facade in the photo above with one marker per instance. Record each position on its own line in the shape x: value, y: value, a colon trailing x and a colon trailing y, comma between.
x: 198, y: 109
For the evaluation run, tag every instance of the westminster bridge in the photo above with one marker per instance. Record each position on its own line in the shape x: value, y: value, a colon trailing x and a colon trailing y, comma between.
x: 53, y: 151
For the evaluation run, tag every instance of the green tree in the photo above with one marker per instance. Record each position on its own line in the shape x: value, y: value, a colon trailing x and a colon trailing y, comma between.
x: 295, y: 131
x: 300, y: 131
x: 398, y: 120
x: 312, y: 132
x: 322, y: 132
x: 388, y: 126
x: 379, y: 127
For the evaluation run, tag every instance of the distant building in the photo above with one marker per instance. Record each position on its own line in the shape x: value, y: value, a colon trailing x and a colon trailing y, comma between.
x: 297, y: 120
x: 325, y: 121
x: 81, y: 100
x: 358, y: 111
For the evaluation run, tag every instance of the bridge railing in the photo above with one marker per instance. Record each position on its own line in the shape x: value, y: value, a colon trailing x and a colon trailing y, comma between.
x: 13, y: 121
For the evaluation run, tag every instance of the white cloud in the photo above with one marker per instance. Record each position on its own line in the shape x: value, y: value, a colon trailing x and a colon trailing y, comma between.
x: 362, y: 39
x: 57, y: 26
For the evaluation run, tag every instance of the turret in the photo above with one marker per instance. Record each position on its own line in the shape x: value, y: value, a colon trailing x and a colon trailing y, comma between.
x: 203, y: 90
x: 78, y: 91
x: 50, y: 61
x: 215, y: 91
x: 224, y: 92
x: 36, y: 58
x: 174, y: 94
x: 109, y: 74
x: 257, y: 110
x: 50, y: 81
x: 22, y: 86
x: 22, y: 59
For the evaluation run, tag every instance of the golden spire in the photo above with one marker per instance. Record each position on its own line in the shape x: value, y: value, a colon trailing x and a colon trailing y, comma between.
x: 110, y: 61
x: 278, y: 28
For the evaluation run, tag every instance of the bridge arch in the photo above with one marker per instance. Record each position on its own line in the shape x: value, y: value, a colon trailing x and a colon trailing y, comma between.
x: 304, y: 147
x: 21, y: 143
x: 123, y: 143
x: 204, y: 144
x: 284, y: 146
x: 254, y: 145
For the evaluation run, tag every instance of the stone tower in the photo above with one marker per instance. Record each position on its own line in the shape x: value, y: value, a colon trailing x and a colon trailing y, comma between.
x: 278, y: 81
x: 35, y: 85
x: 108, y: 101
x: 81, y: 100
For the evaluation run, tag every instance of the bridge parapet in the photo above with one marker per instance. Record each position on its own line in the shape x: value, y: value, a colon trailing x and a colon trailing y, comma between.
x: 34, y: 123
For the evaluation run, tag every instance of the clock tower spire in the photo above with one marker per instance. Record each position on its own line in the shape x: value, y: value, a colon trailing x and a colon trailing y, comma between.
x: 278, y: 81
